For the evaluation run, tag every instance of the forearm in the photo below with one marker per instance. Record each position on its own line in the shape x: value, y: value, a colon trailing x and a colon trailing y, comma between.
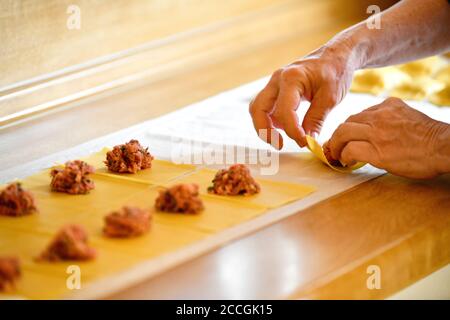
x: 410, y: 30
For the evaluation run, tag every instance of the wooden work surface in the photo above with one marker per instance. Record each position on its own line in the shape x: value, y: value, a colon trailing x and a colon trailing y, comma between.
x: 402, y: 226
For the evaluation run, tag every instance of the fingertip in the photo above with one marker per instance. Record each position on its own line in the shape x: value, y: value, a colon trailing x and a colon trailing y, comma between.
x: 280, y: 143
x: 314, y: 134
x: 301, y: 141
x: 347, y: 163
x: 312, y: 125
x: 271, y: 136
x: 276, y: 140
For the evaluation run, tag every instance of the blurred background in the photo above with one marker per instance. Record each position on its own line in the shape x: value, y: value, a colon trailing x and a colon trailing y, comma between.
x: 106, y: 65
x: 48, y: 39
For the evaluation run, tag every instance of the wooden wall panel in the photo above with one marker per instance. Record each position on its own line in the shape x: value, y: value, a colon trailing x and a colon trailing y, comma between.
x: 45, y: 65
x: 35, y: 38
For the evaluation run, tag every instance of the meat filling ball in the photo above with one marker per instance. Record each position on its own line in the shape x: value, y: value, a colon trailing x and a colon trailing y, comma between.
x: 236, y: 180
x: 16, y: 202
x: 127, y: 222
x: 9, y: 272
x: 128, y: 158
x: 180, y: 198
x: 331, y: 160
x: 69, y: 244
x: 73, y: 178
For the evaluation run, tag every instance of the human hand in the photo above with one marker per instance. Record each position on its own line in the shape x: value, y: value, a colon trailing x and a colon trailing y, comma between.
x: 394, y: 137
x: 323, y: 78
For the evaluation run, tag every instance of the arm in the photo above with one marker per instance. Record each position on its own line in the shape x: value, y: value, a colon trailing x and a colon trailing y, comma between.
x: 409, y: 30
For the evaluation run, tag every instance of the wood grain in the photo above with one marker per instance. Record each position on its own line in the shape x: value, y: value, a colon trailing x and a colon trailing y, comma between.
x: 36, y: 40
x: 162, y: 57
x: 402, y: 226
x: 111, y: 111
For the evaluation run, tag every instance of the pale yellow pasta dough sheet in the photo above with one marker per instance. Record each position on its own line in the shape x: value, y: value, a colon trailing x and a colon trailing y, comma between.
x: 317, y: 150
x: 377, y: 81
x: 417, y: 89
x: 443, y: 75
x: 27, y: 236
x: 425, y: 79
x: 368, y: 81
x: 441, y: 97
x: 160, y: 172
x: 423, y: 67
x: 114, y: 255
x: 273, y: 193
x: 217, y: 215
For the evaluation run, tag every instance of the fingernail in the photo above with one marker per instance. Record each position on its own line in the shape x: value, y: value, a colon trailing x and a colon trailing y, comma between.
x: 313, y: 135
x: 301, y: 143
x: 345, y: 164
x: 276, y: 146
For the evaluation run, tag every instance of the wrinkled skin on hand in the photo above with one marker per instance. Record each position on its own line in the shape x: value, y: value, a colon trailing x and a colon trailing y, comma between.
x: 391, y: 136
x: 323, y: 78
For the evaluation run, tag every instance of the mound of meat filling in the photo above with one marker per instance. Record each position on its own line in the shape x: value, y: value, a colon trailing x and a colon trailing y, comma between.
x: 236, y: 180
x: 128, y: 158
x: 327, y: 153
x: 180, y: 198
x: 127, y: 222
x: 9, y: 272
x: 73, y: 178
x: 69, y: 244
x: 16, y: 202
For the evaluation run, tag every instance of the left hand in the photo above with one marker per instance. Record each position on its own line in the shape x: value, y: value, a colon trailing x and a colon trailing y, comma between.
x: 390, y: 136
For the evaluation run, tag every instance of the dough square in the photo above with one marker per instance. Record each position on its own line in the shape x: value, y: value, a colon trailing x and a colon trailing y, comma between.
x: 26, y: 246
x: 217, y: 215
x: 417, y: 89
x: 26, y: 237
x: 317, y: 150
x: 160, y: 172
x: 273, y: 193
x: 113, y: 255
x: 442, y: 97
x: 377, y: 81
x: 160, y: 240
x: 31, y: 286
x: 58, y: 209
x: 423, y: 67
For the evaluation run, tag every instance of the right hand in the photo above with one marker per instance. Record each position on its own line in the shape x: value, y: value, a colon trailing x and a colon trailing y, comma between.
x: 323, y: 78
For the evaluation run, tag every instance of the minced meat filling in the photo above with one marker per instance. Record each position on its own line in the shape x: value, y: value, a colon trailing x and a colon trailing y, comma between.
x: 69, y: 244
x: 73, y: 178
x: 327, y: 153
x: 236, y: 180
x: 128, y: 158
x: 9, y: 272
x: 16, y: 202
x: 181, y: 198
x: 127, y: 222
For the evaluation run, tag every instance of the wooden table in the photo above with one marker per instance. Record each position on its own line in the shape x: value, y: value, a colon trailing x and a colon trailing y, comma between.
x: 401, y: 226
